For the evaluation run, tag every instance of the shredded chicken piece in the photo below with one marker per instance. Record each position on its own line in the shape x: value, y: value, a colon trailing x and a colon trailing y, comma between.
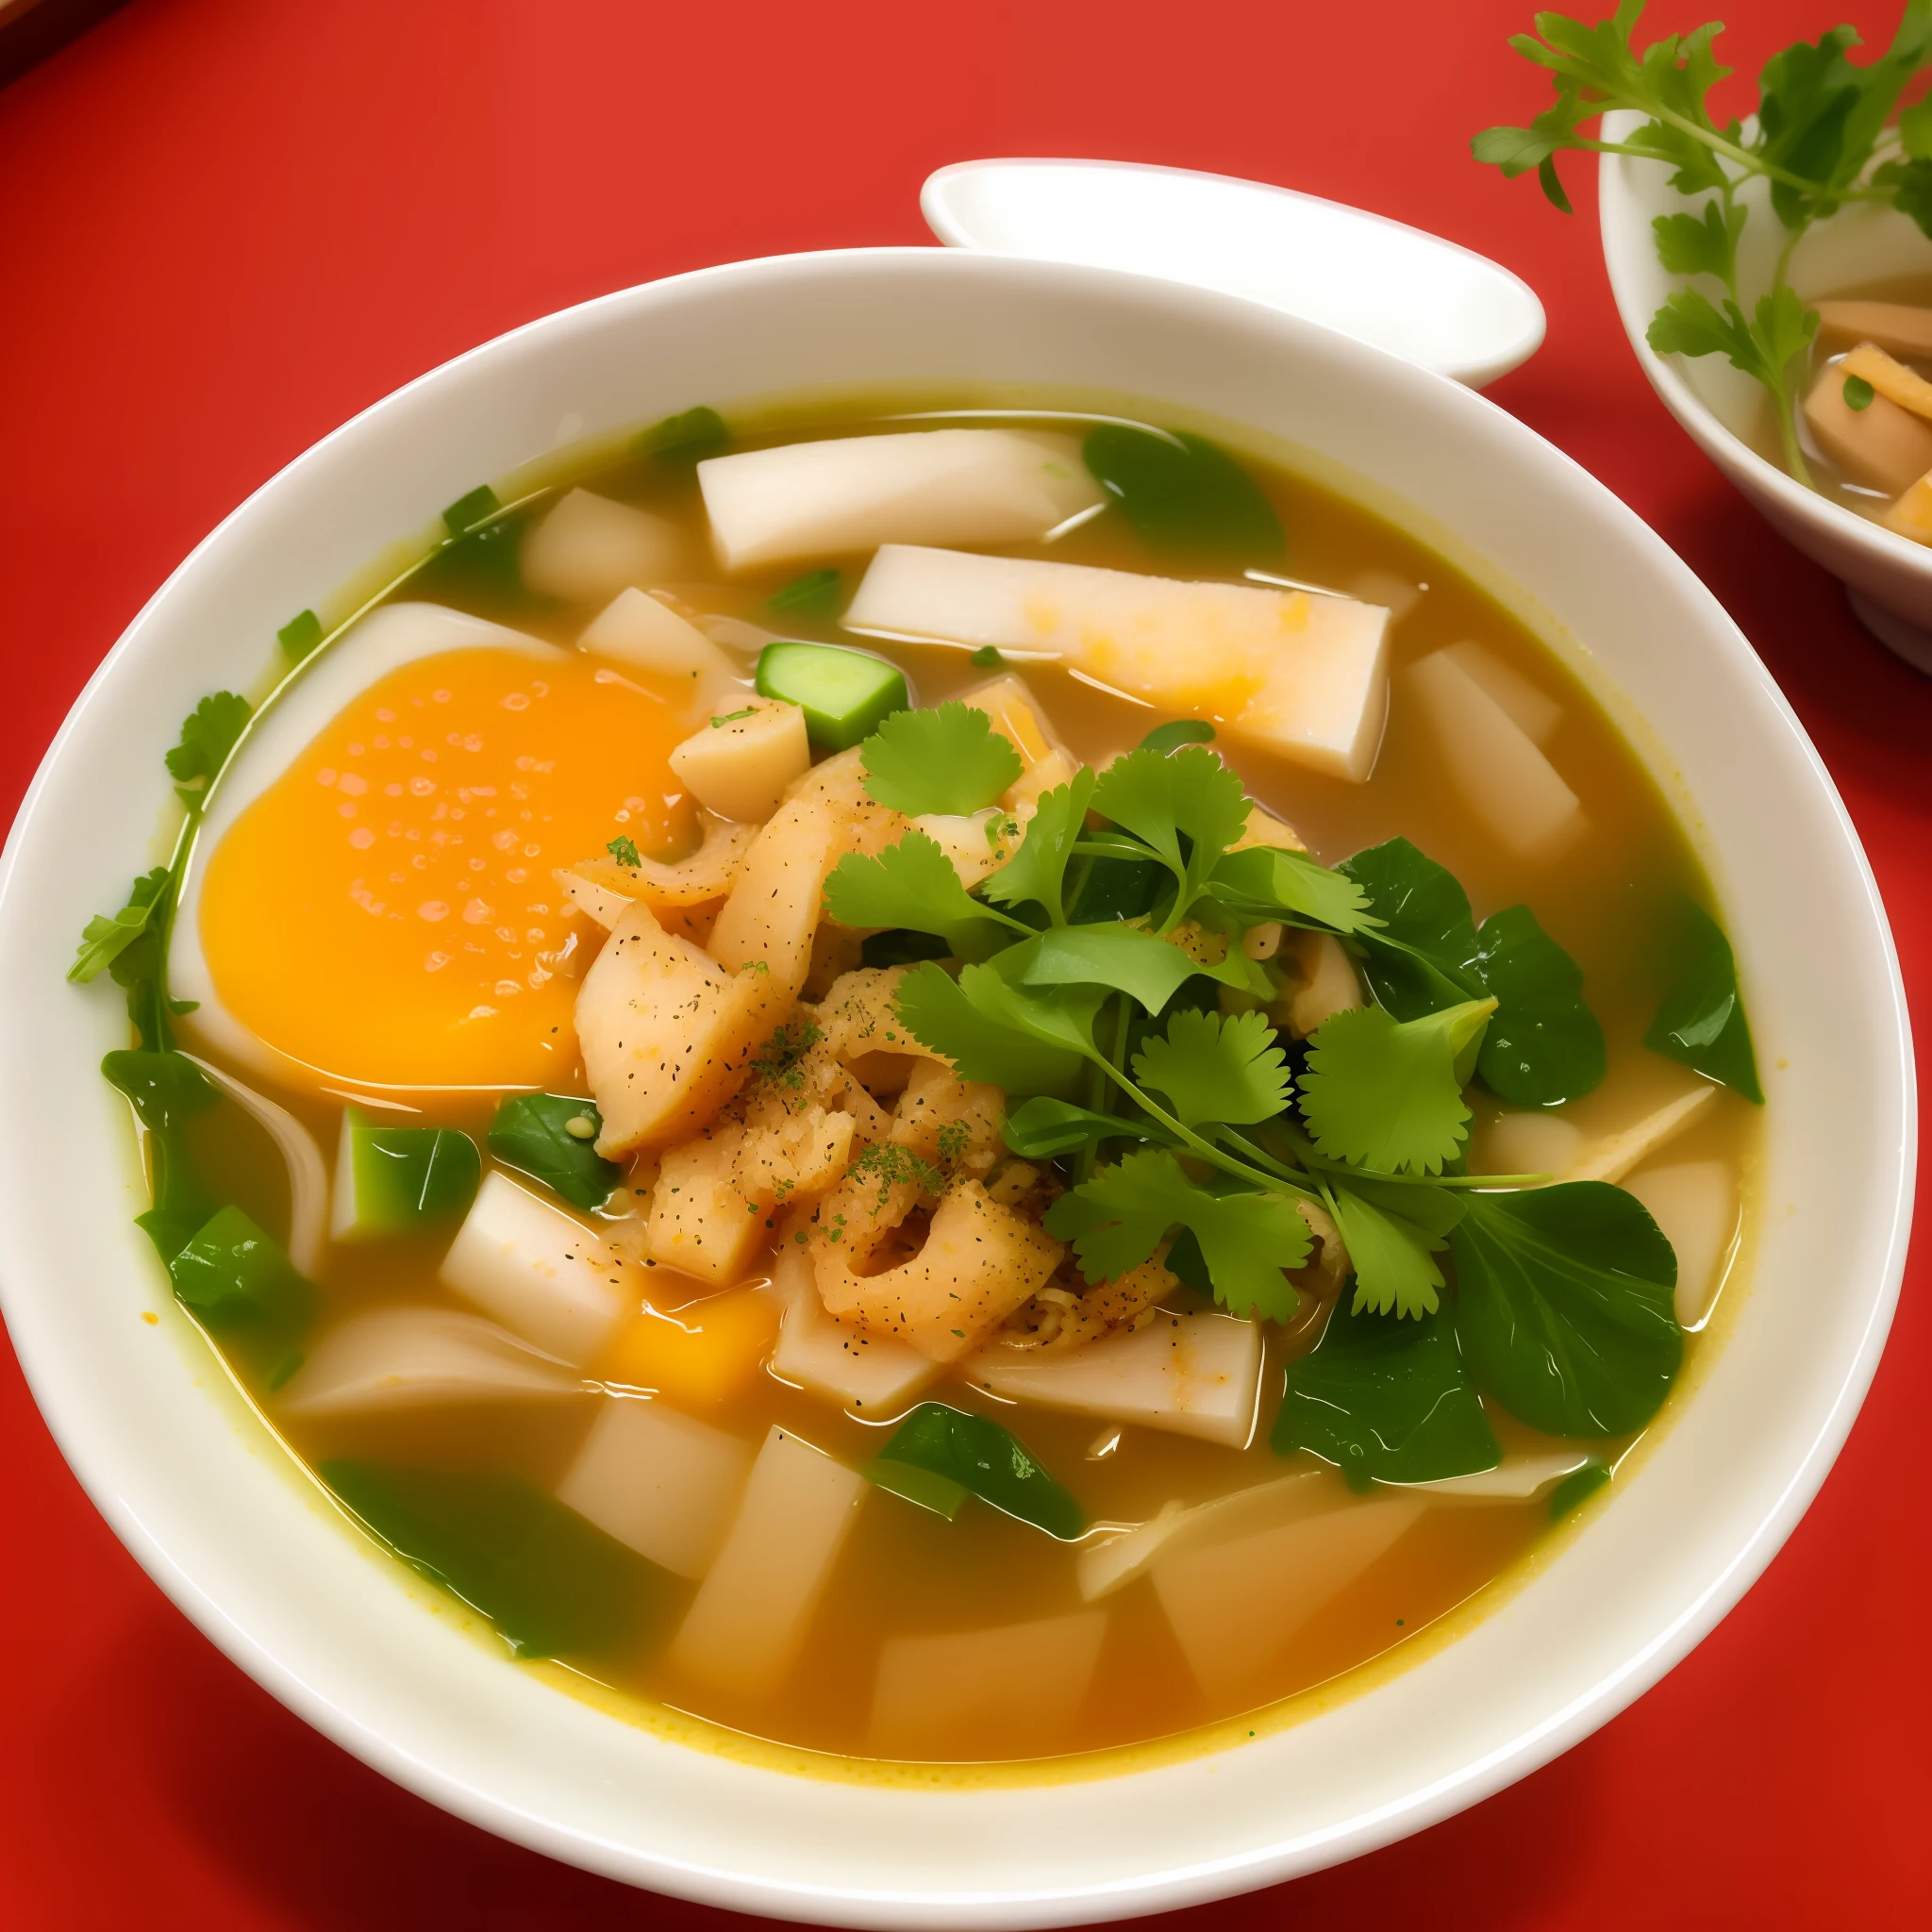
x: 951, y: 1122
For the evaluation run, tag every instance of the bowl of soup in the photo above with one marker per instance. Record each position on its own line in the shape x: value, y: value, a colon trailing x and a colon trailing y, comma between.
x: 945, y: 1091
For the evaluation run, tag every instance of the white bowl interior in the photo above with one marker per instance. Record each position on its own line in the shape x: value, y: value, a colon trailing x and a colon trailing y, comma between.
x: 203, y: 1495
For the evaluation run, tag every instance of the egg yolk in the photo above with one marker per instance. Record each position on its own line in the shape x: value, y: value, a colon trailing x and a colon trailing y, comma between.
x: 385, y: 913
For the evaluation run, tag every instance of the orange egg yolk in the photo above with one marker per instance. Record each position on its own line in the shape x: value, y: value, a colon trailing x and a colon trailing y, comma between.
x: 385, y: 912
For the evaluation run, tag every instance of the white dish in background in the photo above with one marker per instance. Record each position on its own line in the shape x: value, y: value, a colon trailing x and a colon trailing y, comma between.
x: 1410, y: 292
x: 1888, y: 577
x: 204, y: 1495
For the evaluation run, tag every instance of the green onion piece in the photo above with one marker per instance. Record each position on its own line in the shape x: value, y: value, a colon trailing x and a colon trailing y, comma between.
x: 300, y: 635
x: 1575, y: 1486
x: 686, y: 437
x: 843, y: 693
x: 978, y: 1455
x: 1171, y: 737
x: 815, y: 596
x: 939, y: 1493
x: 988, y: 658
x: 532, y: 1133
x: 466, y: 513
x: 1858, y: 393
x: 402, y: 1180
x: 552, y: 1584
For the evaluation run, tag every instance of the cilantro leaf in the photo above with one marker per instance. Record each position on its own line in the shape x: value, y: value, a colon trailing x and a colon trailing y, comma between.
x: 1780, y: 329
x: 949, y: 759
x: 1212, y: 1069
x: 1266, y: 882
x: 1116, y: 1219
x: 1386, y: 1401
x: 1566, y: 1306
x: 1041, y: 1130
x: 1163, y: 798
x: 626, y: 852
x: 1414, y: 960
x: 1543, y: 1046
x: 1025, y: 1042
x: 1038, y: 869
x: 1700, y: 246
x: 1124, y: 959
x: 1700, y: 1021
x: 1387, y: 1094
x: 913, y: 884
x: 103, y: 940
x: 208, y: 736
x: 1396, y: 1272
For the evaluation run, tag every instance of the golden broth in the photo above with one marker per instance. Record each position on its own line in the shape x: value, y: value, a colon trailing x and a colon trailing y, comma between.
x: 906, y: 1571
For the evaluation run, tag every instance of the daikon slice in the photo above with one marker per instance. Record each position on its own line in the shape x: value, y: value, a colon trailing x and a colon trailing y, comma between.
x: 1535, y: 711
x: 1304, y: 676
x: 745, y: 1625
x: 924, y: 486
x: 588, y: 548
x: 1527, y: 1142
x: 1520, y: 1479
x: 870, y: 1376
x: 1191, y: 1374
x: 1234, y: 1606
x: 392, y: 1358
x: 541, y: 1272
x: 638, y: 630
x: 1011, y: 1692
x: 1509, y: 785
x: 1696, y: 1204
x: 660, y: 1482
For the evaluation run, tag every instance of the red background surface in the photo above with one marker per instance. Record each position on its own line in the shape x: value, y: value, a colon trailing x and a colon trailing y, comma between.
x: 230, y: 224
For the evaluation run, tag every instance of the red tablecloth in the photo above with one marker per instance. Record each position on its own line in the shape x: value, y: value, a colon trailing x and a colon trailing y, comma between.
x: 230, y: 224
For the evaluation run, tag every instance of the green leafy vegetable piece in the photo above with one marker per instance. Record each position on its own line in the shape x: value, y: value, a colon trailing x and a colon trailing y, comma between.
x: 1415, y: 960
x: 1393, y: 1256
x: 1566, y: 1306
x: 1387, y: 1094
x: 990, y: 1462
x: 1778, y: 330
x: 1165, y: 798
x: 480, y: 569
x: 1038, y: 868
x: 1700, y: 244
x: 988, y: 658
x: 477, y: 506
x: 912, y: 883
x: 1216, y: 1070
x: 1575, y: 1488
x: 814, y: 596
x: 238, y: 1282
x: 1116, y: 1219
x: 166, y: 1090
x: 1859, y: 394
x: 405, y: 1180
x: 300, y: 635
x: 1700, y: 1021
x: 1041, y: 1130
x: 208, y: 736
x: 686, y: 437
x: 552, y: 1584
x: 1101, y: 888
x: 1543, y: 1046
x: 1177, y: 732
x: 104, y: 940
x: 843, y: 693
x: 626, y: 852
x: 532, y: 1133
x: 1386, y: 1401
x: 948, y: 760
x: 1185, y: 497
x: 1034, y: 1041
x: 1122, y: 957
x: 939, y: 1493
x: 1265, y: 882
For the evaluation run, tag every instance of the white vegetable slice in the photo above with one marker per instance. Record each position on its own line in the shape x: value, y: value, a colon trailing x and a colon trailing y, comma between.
x: 924, y: 486
x: 1301, y: 675
x: 1192, y: 1375
x: 745, y: 1625
x: 1104, y: 1567
x: 873, y: 1376
x: 1519, y: 1479
x: 1696, y: 1204
x: 307, y: 1175
x: 638, y: 630
x: 1508, y: 784
x: 1235, y: 1605
x: 1529, y: 1142
x: 541, y: 1272
x: 392, y: 1358
x: 1611, y: 1158
x: 660, y: 1482
x: 1534, y: 710
x: 1011, y: 1692
x: 588, y: 548
x: 740, y: 762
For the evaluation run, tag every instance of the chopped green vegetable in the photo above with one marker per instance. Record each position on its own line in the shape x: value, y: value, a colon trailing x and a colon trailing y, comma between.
x: 300, y: 635
x: 239, y: 1282
x: 208, y: 736
x: 480, y: 569
x: 626, y: 852
x: 1393, y: 1255
x: 1858, y: 393
x: 814, y: 597
x: 912, y: 883
x: 404, y: 1180
x: 1545, y: 1046
x: 1186, y: 806
x: 988, y: 658
x: 1700, y: 1021
x: 1415, y: 961
x: 466, y: 513
x: 978, y: 1455
x: 532, y: 1133
x: 1268, y: 882
x: 1215, y: 1069
x: 843, y: 693
x: 552, y: 1584
x: 1387, y: 1094
x: 1186, y: 498
x: 1575, y: 1488
x: 1177, y: 732
x: 1041, y: 1128
x: 1386, y: 1401
x: 949, y: 759
x: 686, y: 437
x: 103, y: 940
x: 1566, y: 1310
x: 1037, y: 871
x: 1028, y: 1044
x: 166, y: 1090
x: 939, y: 1493
x: 1124, y: 958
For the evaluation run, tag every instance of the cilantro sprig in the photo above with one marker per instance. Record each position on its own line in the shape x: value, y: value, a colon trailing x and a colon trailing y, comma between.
x: 1823, y: 138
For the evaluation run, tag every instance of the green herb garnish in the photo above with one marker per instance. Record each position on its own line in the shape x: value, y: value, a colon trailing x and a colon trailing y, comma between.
x: 1858, y: 393
x: 626, y: 852
x: 532, y: 1133
x: 300, y: 635
x: 208, y: 736
x: 718, y: 724
x: 686, y: 437
x: 477, y: 506
x: 988, y: 658
x: 948, y: 760
x: 1186, y: 498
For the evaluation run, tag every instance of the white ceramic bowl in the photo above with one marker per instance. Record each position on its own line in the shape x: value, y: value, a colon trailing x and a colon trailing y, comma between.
x: 204, y: 1496
x: 1888, y: 577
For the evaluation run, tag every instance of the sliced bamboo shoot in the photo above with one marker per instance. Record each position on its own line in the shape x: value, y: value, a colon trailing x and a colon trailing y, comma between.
x: 1696, y: 1204
x: 394, y: 1359
x: 588, y: 548
x: 872, y: 1376
x: 1611, y: 1158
